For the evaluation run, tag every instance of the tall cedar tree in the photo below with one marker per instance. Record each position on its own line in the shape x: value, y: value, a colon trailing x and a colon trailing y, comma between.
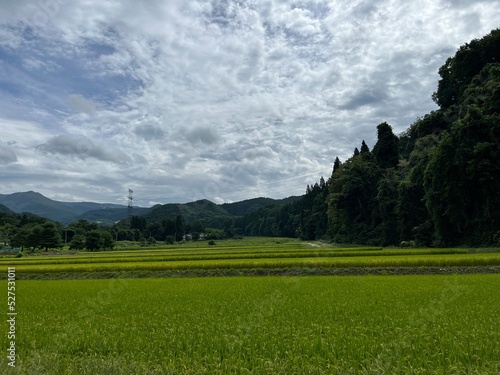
x: 386, y: 149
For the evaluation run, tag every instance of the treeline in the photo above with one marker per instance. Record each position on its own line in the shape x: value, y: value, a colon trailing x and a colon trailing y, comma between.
x: 28, y: 232
x: 137, y: 228
x: 437, y: 184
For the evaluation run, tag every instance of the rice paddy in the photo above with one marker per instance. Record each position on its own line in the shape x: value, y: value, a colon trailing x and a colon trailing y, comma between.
x: 231, y: 255
x: 414, y: 324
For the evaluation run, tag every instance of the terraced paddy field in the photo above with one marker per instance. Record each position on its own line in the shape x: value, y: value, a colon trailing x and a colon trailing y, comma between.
x: 69, y: 323
x: 253, y: 257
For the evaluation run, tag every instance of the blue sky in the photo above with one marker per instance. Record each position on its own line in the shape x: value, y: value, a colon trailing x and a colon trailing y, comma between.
x: 219, y: 100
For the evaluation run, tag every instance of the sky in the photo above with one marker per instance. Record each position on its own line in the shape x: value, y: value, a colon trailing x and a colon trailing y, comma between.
x: 181, y: 100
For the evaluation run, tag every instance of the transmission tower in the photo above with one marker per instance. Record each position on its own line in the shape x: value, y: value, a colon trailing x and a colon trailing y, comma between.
x: 130, y: 202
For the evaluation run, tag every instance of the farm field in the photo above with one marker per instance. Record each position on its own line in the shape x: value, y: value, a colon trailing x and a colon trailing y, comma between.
x: 103, y: 313
x: 244, y: 255
x: 259, y: 325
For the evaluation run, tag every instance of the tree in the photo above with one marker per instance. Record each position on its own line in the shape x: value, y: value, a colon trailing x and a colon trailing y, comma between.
x: 107, y: 242
x: 45, y: 236
x: 462, y: 188
x: 138, y: 222
x: 336, y: 164
x: 459, y: 70
x: 20, y: 237
x: 364, y: 148
x: 179, y: 228
x: 214, y: 234
x: 93, y: 241
x: 77, y: 242
x: 356, y: 152
x: 387, y: 199
x: 414, y: 221
x: 351, y: 202
x: 386, y: 150
x: 51, y: 236
x: 322, y: 183
x: 197, y: 226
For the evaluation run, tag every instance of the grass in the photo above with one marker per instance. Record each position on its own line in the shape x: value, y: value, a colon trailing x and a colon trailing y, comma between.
x: 271, y: 325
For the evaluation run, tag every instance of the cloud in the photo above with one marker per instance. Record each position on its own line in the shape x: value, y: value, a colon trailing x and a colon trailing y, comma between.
x: 252, y: 97
x: 81, y: 104
x: 300, y: 21
x: 364, y: 97
x: 149, y: 132
x: 7, y: 156
x: 203, y: 134
x: 81, y: 147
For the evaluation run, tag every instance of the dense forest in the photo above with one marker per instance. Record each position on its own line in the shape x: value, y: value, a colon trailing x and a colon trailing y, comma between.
x: 437, y: 184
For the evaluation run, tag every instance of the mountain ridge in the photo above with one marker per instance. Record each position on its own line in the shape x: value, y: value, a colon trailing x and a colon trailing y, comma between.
x: 108, y: 213
x: 38, y: 204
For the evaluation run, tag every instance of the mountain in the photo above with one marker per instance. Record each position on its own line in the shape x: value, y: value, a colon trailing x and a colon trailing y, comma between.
x: 5, y: 210
x: 248, y: 206
x: 40, y: 205
x: 109, y: 215
x: 211, y: 214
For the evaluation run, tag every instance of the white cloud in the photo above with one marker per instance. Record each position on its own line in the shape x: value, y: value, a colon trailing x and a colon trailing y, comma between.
x: 232, y: 99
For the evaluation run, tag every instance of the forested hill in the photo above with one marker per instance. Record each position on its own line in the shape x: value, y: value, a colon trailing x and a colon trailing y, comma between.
x: 438, y: 183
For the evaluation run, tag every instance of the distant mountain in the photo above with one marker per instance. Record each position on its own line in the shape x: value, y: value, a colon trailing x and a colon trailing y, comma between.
x: 5, y: 210
x: 40, y: 205
x: 248, y: 206
x: 109, y: 216
x: 211, y: 214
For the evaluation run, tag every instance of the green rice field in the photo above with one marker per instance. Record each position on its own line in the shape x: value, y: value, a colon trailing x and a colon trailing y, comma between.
x: 412, y: 324
x: 260, y: 325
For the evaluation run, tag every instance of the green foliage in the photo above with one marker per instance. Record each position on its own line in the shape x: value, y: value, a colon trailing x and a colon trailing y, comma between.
x: 364, y: 148
x: 351, y: 207
x: 98, y: 240
x: 305, y: 217
x: 459, y: 71
x: 93, y: 240
x: 138, y: 222
x: 461, y: 181
x: 387, y: 201
x: 77, y: 242
x: 107, y: 240
x: 215, y: 234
